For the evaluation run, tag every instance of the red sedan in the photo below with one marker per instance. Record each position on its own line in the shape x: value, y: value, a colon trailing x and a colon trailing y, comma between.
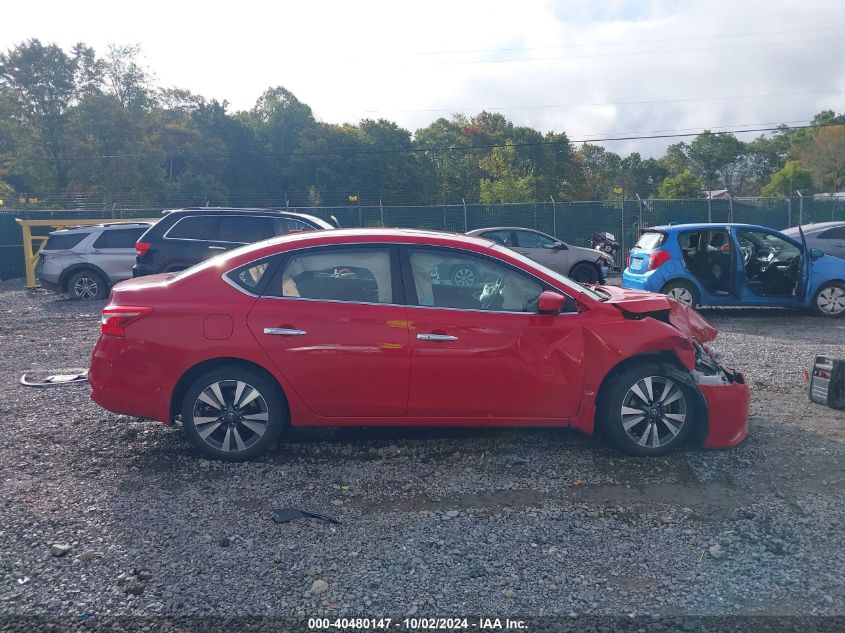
x: 359, y: 327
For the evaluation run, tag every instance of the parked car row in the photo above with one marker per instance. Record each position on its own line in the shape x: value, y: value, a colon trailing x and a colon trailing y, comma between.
x: 86, y: 261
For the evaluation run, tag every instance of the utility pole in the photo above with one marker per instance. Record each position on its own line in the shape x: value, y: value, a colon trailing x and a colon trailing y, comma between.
x: 800, y: 208
x: 466, y: 228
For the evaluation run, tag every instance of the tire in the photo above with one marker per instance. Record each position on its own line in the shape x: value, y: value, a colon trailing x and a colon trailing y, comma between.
x: 465, y: 276
x: 233, y: 433
x: 683, y: 291
x: 584, y: 273
x: 829, y: 300
x: 87, y: 284
x: 642, y: 399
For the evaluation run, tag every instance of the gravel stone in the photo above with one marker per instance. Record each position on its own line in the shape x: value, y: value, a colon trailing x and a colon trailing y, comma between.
x: 568, y: 524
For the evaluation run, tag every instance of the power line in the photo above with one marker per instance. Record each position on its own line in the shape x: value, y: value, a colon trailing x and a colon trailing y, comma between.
x: 624, y: 42
x: 629, y: 53
x: 611, y: 103
x: 416, y: 150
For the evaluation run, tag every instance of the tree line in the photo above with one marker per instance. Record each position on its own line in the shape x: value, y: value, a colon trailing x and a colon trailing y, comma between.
x: 77, y: 125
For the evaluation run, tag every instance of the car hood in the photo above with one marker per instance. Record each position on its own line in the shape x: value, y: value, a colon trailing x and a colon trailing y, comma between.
x: 680, y: 316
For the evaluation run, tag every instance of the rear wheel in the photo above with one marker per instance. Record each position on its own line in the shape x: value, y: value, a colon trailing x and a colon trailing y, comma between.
x: 646, y: 412
x: 584, y: 273
x: 87, y: 284
x: 830, y: 300
x: 233, y: 413
x: 683, y: 291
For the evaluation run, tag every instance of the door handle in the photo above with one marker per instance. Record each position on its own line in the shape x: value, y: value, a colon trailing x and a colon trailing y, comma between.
x: 97, y: 252
x: 283, y: 331
x: 436, y: 337
x: 217, y: 248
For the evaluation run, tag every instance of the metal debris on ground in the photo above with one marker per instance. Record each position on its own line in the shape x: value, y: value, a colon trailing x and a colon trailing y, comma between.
x: 56, y: 380
x: 283, y: 515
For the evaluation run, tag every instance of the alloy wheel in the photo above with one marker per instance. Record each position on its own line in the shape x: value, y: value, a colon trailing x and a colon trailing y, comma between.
x: 681, y: 294
x: 85, y: 288
x: 831, y: 300
x: 654, y: 411
x: 230, y: 416
x: 464, y: 276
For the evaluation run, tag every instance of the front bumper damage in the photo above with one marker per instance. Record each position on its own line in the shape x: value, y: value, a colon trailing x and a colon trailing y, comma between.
x: 725, y: 398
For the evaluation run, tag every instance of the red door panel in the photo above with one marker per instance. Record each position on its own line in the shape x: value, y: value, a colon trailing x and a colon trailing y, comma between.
x: 352, y: 360
x: 494, y: 365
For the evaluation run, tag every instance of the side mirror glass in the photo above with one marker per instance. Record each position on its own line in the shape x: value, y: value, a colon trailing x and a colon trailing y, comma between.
x: 550, y: 302
x: 815, y: 253
x: 559, y: 245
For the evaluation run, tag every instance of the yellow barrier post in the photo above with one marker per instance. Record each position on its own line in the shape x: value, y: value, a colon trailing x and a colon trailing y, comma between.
x: 30, y: 258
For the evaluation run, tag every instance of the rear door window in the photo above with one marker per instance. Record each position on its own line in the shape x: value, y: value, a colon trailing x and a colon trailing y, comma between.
x: 359, y: 275
x: 61, y: 242
x: 122, y: 238
x: 245, y: 229
x: 194, y: 227
x: 836, y: 233
x: 649, y: 241
x: 529, y: 239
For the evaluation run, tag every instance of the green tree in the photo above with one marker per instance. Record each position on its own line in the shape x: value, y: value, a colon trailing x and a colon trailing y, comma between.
x: 127, y: 80
x: 786, y: 180
x: 41, y: 83
x: 684, y: 185
x: 824, y: 156
x: 509, y: 178
x: 715, y: 159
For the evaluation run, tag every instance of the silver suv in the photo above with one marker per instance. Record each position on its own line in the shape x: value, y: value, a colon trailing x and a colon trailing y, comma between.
x: 86, y: 261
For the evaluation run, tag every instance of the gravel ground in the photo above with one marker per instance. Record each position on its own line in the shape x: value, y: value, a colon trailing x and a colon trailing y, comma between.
x: 434, y: 522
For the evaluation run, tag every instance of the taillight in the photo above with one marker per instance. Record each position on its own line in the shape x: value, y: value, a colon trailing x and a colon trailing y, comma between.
x: 658, y: 258
x: 141, y: 248
x: 116, y: 318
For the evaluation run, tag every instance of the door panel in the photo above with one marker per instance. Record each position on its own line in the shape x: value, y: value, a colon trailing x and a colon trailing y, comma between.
x: 353, y: 360
x: 483, y: 352
x: 334, y: 329
x: 494, y: 365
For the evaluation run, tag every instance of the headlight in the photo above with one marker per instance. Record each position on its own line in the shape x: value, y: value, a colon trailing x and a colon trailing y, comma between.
x: 607, y: 258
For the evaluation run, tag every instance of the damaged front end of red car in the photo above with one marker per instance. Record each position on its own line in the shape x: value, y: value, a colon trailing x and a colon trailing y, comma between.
x: 722, y: 392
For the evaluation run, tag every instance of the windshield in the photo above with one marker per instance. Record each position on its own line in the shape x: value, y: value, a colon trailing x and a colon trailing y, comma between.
x: 565, y: 281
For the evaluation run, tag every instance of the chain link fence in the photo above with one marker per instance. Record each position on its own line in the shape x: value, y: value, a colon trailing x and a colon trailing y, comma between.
x: 571, y: 222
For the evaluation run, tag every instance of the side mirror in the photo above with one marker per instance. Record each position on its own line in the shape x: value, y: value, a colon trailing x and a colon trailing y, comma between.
x: 559, y: 246
x: 550, y: 302
x: 815, y: 253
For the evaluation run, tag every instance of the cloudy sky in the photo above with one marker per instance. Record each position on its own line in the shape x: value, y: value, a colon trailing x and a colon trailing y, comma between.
x: 592, y: 69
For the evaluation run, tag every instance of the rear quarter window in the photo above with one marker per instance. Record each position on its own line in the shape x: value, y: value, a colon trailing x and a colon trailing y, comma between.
x: 119, y: 238
x: 61, y: 242
x: 650, y: 240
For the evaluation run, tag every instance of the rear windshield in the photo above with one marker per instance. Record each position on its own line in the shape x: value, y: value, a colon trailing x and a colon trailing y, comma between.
x: 650, y: 240
x: 63, y: 241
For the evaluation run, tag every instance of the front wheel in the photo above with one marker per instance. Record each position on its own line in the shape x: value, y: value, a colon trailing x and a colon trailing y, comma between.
x: 683, y: 291
x: 584, y: 273
x: 830, y: 300
x: 646, y: 412
x: 233, y: 413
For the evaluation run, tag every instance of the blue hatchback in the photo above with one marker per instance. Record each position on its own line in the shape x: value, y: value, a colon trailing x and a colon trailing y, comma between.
x: 735, y: 265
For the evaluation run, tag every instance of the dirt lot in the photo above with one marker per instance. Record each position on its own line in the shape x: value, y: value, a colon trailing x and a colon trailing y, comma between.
x: 434, y: 522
